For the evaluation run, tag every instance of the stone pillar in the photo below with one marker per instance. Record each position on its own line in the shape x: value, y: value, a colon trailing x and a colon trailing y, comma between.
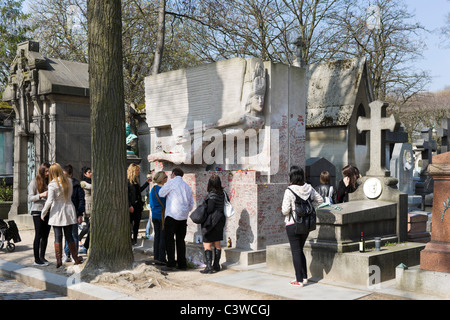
x: 436, y: 255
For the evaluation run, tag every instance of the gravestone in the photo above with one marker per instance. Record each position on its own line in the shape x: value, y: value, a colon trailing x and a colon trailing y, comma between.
x: 426, y: 146
x: 402, y: 167
x: 377, y: 208
x: 243, y: 119
x: 51, y: 100
x: 376, y: 124
x: 378, y: 184
x: 443, y: 133
x: 315, y: 166
x: 436, y: 255
x: 392, y: 138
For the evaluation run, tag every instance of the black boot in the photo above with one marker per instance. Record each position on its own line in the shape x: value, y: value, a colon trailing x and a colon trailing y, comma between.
x: 217, y: 254
x: 208, y: 262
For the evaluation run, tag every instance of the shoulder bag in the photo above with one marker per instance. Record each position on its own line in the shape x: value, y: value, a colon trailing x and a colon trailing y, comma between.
x: 228, y: 209
x: 163, y: 209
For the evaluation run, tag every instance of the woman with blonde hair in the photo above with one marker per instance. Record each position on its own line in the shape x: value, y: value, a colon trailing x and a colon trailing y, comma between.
x: 62, y: 212
x: 135, y: 202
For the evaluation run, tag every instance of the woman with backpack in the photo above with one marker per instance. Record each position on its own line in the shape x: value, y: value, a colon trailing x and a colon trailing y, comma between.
x: 305, y: 191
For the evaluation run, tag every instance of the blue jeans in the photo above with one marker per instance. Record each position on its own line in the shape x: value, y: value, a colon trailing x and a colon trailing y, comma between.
x: 159, y: 243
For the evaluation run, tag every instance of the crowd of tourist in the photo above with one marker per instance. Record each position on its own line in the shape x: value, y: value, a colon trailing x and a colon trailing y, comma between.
x: 60, y: 200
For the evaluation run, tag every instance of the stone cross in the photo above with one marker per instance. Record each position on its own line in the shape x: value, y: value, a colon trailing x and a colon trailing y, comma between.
x: 299, y: 43
x: 376, y: 124
x: 443, y: 134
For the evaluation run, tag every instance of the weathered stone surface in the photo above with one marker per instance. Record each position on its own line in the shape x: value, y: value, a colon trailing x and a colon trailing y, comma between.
x: 436, y: 255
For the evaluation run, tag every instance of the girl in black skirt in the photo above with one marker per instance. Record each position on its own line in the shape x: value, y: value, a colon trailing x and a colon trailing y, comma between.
x: 212, y: 228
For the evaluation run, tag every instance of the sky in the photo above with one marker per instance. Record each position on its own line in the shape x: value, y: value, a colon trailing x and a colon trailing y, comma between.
x: 432, y: 14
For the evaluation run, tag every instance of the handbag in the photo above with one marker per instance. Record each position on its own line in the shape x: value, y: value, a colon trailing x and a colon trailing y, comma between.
x: 200, y: 214
x: 228, y: 209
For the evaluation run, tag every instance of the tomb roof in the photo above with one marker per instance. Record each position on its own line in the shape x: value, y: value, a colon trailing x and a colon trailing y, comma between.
x: 332, y: 90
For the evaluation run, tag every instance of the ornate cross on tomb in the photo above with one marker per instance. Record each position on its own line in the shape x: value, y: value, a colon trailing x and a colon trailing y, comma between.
x: 24, y: 83
x: 377, y: 124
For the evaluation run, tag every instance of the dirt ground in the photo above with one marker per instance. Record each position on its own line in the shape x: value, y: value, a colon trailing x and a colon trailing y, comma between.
x: 144, y: 281
x: 148, y: 281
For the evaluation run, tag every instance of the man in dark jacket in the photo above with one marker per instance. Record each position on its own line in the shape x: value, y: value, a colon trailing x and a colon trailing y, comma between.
x: 78, y: 202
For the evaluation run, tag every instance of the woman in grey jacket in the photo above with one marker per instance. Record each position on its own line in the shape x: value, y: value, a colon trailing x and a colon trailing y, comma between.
x: 37, y: 194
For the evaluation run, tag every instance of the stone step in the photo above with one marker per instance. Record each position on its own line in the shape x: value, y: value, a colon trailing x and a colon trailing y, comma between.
x: 348, y: 267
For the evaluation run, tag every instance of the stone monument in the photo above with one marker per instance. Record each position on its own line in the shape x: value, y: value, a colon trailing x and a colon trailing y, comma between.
x: 315, y: 166
x: 338, y: 92
x: 6, y: 150
x: 443, y: 133
x: 436, y: 255
x: 402, y: 167
x: 433, y: 275
x: 426, y: 146
x: 376, y: 208
x: 243, y: 119
x: 51, y: 100
x: 377, y: 184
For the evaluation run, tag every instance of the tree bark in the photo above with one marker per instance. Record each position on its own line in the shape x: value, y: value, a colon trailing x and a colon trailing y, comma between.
x: 160, y: 39
x: 110, y: 245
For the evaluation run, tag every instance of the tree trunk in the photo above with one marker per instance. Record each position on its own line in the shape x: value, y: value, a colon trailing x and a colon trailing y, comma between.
x: 110, y: 245
x: 160, y: 39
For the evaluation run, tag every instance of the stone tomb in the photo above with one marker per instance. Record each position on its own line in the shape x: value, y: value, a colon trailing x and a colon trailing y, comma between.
x: 315, y: 166
x: 376, y: 208
x: 402, y: 167
x: 261, y: 105
x: 443, y: 133
x: 433, y: 275
x: 51, y: 100
x: 338, y: 92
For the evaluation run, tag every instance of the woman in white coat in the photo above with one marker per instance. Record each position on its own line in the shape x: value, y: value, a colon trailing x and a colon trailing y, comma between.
x: 62, y: 212
x: 304, y: 190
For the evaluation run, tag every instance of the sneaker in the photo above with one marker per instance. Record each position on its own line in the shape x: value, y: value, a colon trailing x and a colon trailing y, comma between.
x: 305, y: 281
x: 296, y: 283
x: 82, y: 250
x: 66, y: 258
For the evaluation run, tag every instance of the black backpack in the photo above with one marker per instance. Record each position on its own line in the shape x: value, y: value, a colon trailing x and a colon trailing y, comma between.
x: 305, y: 215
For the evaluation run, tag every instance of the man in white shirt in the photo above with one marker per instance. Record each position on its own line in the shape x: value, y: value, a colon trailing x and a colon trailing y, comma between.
x: 179, y: 202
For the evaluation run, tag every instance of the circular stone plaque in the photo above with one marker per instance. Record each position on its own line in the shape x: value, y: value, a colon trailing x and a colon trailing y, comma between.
x: 372, y: 188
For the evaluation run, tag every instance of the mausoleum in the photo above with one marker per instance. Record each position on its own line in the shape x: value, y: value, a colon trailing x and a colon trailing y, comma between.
x: 338, y: 92
x: 51, y: 100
